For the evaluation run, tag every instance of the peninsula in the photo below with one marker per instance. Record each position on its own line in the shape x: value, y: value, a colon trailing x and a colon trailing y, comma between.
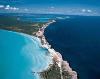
x: 60, y: 69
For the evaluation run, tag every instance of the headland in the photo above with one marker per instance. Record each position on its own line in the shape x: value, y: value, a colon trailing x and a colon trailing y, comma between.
x: 60, y: 69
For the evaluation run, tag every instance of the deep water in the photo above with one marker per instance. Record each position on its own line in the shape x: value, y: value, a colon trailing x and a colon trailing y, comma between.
x: 20, y: 55
x: 78, y: 40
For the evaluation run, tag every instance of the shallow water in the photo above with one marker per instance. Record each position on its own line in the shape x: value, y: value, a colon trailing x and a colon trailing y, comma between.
x: 20, y: 55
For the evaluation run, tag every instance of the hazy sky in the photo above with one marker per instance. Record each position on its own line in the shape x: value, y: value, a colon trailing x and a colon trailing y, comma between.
x: 50, y: 6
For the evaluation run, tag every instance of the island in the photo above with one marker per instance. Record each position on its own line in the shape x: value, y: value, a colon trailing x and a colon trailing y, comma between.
x: 60, y: 69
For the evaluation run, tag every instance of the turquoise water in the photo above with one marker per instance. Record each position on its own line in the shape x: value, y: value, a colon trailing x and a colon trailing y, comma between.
x: 20, y: 55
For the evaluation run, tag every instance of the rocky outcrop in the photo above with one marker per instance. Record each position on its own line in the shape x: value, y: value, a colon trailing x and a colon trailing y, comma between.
x: 60, y: 69
x: 56, y: 72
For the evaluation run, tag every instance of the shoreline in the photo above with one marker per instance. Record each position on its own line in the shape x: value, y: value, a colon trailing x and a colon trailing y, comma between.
x: 56, y: 56
x: 37, y: 30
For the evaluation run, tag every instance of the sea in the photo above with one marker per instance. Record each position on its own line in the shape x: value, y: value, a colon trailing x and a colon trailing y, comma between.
x: 76, y: 37
x: 30, y: 17
x: 78, y: 40
x: 21, y: 56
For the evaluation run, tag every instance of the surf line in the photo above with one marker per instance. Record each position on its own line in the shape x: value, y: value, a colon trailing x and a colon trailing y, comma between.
x: 56, y: 56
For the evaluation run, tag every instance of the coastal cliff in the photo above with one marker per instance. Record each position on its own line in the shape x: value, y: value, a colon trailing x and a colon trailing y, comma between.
x: 60, y: 69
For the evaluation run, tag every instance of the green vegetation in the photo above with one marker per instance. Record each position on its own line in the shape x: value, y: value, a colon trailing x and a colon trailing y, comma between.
x: 54, y: 72
x: 15, y: 24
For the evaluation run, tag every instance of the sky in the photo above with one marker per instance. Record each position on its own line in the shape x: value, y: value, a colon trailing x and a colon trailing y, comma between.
x: 51, y: 6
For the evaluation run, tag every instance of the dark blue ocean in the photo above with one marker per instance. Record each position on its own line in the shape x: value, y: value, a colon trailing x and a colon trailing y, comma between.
x: 78, y: 40
x: 22, y: 54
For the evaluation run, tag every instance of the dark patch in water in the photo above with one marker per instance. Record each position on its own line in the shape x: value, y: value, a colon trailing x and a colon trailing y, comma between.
x: 78, y: 40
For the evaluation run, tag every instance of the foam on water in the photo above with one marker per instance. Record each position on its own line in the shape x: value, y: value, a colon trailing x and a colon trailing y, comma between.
x: 78, y: 40
x: 20, y: 55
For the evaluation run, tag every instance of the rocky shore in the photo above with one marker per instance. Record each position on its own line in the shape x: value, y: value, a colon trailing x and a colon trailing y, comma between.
x: 60, y: 69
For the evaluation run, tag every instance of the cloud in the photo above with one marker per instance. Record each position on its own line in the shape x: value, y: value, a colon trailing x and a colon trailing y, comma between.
x: 89, y: 10
x: 14, y: 8
x: 1, y: 6
x: 83, y: 10
x: 86, y: 10
x: 8, y: 7
x: 52, y: 7
x: 26, y: 9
